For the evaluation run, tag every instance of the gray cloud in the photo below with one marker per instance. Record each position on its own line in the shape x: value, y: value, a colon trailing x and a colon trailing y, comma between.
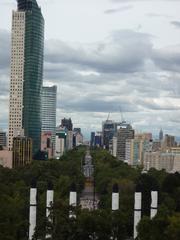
x: 168, y: 58
x: 133, y: 87
x: 123, y: 1
x: 157, y: 15
x: 97, y: 104
x: 4, y: 63
x: 93, y: 79
x: 176, y: 23
x: 4, y: 49
x: 125, y: 51
x: 152, y: 105
x: 120, y: 9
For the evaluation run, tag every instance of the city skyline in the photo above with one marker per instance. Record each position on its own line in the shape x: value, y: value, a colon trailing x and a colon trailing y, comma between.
x: 121, y: 57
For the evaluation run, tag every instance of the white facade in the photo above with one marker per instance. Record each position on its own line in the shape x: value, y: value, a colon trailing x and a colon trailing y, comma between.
x: 69, y: 140
x: 79, y: 139
x: 114, y: 151
x: 17, y: 76
x: 170, y: 162
x: 60, y: 147
x: 49, y: 111
x: 128, y: 159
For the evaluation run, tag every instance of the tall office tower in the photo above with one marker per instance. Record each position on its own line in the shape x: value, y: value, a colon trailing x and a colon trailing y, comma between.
x: 67, y: 123
x: 98, y: 139
x: 161, y: 135
x: 169, y: 141
x: 135, y: 149
x: 108, y: 130
x: 49, y: 112
x: 61, y: 135
x: 26, y: 72
x: 124, y: 133
x: 92, y: 141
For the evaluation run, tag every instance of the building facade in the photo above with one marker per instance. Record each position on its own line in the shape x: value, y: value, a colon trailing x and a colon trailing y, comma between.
x: 77, y: 138
x: 108, y: 131
x: 2, y: 139
x: 61, y: 135
x: 6, y: 158
x: 27, y: 43
x: 168, y: 142
x: 47, y: 145
x: 135, y: 149
x: 22, y: 151
x: 65, y: 122
x: 161, y: 135
x: 124, y: 133
x: 49, y: 99
x: 168, y: 161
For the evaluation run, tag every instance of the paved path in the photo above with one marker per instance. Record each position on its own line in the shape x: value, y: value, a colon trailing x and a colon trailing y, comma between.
x: 89, y: 199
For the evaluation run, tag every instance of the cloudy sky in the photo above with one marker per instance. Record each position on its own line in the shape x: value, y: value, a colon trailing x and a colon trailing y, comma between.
x: 107, y: 56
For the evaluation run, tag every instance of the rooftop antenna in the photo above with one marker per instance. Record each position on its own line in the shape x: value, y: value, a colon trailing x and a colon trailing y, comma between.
x: 108, y: 116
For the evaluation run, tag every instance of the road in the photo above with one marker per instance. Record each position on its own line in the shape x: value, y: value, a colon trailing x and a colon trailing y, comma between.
x: 89, y: 199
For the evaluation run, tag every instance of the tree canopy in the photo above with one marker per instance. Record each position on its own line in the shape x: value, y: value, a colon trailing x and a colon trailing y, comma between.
x: 98, y: 224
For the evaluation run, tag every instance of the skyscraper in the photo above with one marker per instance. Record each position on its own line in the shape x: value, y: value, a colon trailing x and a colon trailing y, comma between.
x: 65, y: 122
x: 161, y: 135
x: 124, y: 133
x: 26, y: 72
x: 49, y: 111
x: 108, y: 130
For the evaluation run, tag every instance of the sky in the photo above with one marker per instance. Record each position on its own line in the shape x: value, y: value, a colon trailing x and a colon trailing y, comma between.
x: 106, y: 56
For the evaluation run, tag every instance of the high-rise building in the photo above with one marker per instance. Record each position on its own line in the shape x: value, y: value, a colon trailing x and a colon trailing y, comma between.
x: 61, y: 135
x: 169, y: 141
x: 49, y: 112
x: 69, y: 140
x: 47, y: 145
x: 161, y: 135
x: 143, y: 136
x: 2, y: 138
x: 67, y: 123
x: 96, y: 139
x: 124, y: 133
x: 92, y: 141
x: 108, y: 130
x: 135, y: 149
x: 26, y: 72
x: 77, y: 138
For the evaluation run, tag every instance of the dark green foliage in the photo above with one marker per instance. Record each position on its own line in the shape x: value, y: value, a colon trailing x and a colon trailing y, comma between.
x: 14, y: 192
x: 99, y: 224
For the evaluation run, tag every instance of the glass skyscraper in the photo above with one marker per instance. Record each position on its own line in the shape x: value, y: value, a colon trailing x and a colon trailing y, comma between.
x: 49, y: 95
x: 26, y: 72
